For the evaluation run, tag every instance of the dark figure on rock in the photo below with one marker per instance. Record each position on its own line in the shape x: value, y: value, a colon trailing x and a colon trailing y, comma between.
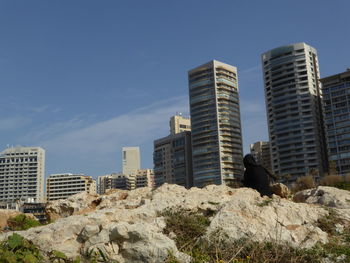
x: 256, y: 176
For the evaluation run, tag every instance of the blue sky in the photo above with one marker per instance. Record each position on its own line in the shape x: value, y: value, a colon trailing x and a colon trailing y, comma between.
x: 84, y: 78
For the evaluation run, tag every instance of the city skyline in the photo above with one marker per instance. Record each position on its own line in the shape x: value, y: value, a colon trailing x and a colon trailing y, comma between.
x: 70, y: 84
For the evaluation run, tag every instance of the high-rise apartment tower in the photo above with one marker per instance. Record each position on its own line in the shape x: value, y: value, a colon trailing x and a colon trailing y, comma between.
x: 131, y: 160
x: 22, y: 174
x: 215, y: 123
x: 294, y: 111
x: 336, y: 101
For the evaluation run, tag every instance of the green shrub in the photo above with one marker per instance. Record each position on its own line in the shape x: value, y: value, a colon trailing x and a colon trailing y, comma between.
x: 22, y: 222
x: 17, y: 249
x: 187, y: 226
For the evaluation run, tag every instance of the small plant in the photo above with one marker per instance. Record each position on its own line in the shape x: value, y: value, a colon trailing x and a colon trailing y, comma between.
x: 96, y: 255
x: 22, y: 222
x: 187, y: 226
x: 17, y: 249
x: 266, y: 202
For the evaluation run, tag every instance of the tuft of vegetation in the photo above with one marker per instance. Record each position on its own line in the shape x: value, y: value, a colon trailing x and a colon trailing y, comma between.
x: 96, y: 255
x: 189, y: 229
x: 303, y: 183
x: 186, y: 226
x: 21, y: 222
x: 266, y: 202
x: 17, y: 249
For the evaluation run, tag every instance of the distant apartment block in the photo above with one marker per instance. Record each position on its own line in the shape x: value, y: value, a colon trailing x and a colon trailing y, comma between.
x: 215, y: 123
x: 261, y: 152
x: 131, y: 160
x: 61, y: 186
x: 294, y: 110
x: 172, y: 158
x: 336, y: 101
x: 22, y: 174
x: 112, y: 181
x: 141, y: 178
x: 178, y: 124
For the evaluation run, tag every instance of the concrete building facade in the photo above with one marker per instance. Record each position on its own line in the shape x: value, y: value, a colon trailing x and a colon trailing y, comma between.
x: 131, y: 160
x: 336, y: 101
x: 142, y: 178
x: 22, y: 174
x: 111, y: 181
x: 61, y: 186
x: 178, y: 124
x: 262, y: 154
x: 216, y: 124
x: 294, y: 110
x: 172, y: 158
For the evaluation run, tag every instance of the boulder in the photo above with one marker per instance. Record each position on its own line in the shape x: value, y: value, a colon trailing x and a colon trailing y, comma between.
x: 279, y: 220
x: 326, y: 196
x: 76, y: 204
x: 280, y: 190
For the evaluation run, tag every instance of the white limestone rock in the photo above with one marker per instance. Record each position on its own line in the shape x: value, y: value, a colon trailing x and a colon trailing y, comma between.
x: 326, y: 196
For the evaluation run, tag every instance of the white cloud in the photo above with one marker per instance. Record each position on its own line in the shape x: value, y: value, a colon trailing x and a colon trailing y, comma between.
x: 97, y: 142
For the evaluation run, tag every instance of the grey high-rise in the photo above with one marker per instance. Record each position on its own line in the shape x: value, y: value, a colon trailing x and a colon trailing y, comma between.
x: 336, y: 90
x: 294, y: 111
x: 216, y: 126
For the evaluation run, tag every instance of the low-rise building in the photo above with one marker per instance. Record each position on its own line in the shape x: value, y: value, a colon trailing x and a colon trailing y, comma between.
x: 61, y: 186
x: 142, y: 178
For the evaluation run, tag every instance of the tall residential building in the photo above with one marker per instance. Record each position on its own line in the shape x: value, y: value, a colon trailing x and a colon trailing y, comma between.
x: 61, y: 186
x: 216, y: 124
x: 294, y: 111
x: 22, y: 174
x: 131, y: 160
x: 336, y: 101
x: 178, y: 124
x: 261, y: 152
x: 172, y: 160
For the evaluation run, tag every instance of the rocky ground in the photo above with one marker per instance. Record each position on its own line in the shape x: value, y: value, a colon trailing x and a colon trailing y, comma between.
x: 129, y: 226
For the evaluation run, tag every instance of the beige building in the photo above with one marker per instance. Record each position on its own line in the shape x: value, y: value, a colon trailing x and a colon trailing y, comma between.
x: 172, y: 158
x: 61, y: 186
x: 261, y: 152
x: 131, y: 160
x: 217, y: 151
x: 141, y: 178
x: 178, y: 124
x: 22, y: 174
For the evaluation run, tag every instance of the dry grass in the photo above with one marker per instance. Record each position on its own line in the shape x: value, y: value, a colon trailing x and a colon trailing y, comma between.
x: 189, y: 229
